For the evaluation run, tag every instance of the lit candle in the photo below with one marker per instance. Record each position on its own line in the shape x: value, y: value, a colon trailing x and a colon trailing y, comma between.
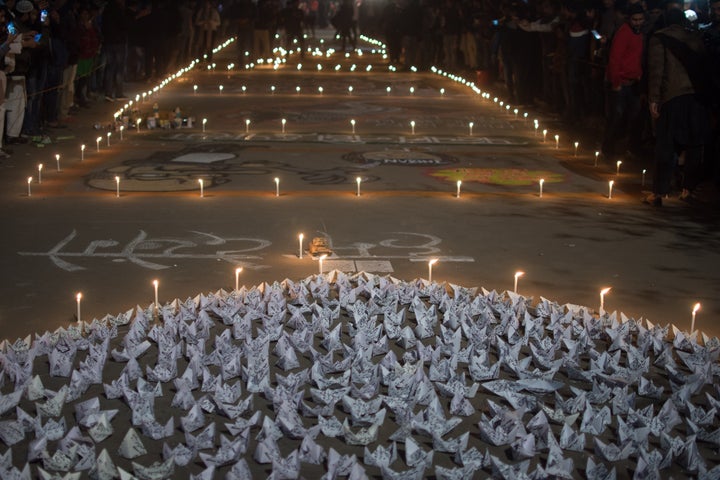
x: 517, y: 275
x: 610, y: 186
x: 272, y: 90
x: 412, y: 90
x: 137, y: 124
x: 577, y: 144
x: 525, y: 117
x: 97, y: 143
x: 541, y: 182
x: 603, y: 292
x: 204, y: 122
x: 617, y: 167
x: 694, y: 311
x: 155, y: 284
x: 597, y: 154
x: 412, y: 126
x: 358, y: 180
x: 78, y: 297
x: 247, y: 125
x: 442, y: 91
x: 350, y: 90
x: 195, y: 87
x: 221, y: 88
x: 537, y: 125
x: 300, y: 243
x: 320, y: 90
x: 277, y: 187
x: 202, y: 187
x: 122, y: 128
x: 388, y: 90
x: 470, y: 127
x: 544, y: 135
x: 297, y: 90
x: 82, y: 152
x: 320, y: 260
x: 557, y: 142
x: 40, y: 167
x: 108, y: 138
x: 117, y: 186
x: 57, y: 161
x: 459, y: 183
x: 352, y: 123
x: 29, y: 181
x: 430, y: 265
x: 643, y: 177
x: 516, y: 113
x: 283, y: 121
x: 237, y: 278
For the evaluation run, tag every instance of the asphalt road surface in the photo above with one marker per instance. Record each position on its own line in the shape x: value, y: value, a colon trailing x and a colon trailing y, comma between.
x: 382, y: 191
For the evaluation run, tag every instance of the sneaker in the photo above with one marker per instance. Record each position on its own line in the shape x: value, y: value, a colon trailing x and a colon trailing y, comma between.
x: 108, y: 98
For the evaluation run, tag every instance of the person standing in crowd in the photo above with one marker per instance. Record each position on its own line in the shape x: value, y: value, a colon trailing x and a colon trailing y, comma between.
x: 207, y: 21
x: 342, y: 21
x: 675, y: 73
x: 292, y: 19
x: 452, y: 29
x: 35, y: 72
x: 711, y: 38
x: 245, y: 14
x: 8, y: 48
x: 265, y: 23
x: 393, y: 29
x: 623, y: 74
x: 115, y: 25
x: 87, y: 38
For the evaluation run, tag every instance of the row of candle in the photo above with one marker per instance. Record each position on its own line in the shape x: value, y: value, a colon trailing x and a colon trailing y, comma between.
x: 603, y: 293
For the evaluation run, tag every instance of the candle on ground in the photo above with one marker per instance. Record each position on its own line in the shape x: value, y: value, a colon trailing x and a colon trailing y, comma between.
x: 517, y: 276
x: 694, y: 311
x: 430, y: 265
x: 577, y: 144
x: 97, y: 143
x: 283, y: 121
x: 352, y: 123
x: 470, y: 127
x: 109, y: 134
x: 300, y: 245
x: 320, y: 262
x: 78, y: 297
x: 29, y: 181
x: 117, y: 186
x: 57, y: 161
x: 277, y: 187
x: 82, y: 152
x: 544, y: 135
x: 610, y: 187
x: 237, y: 278
x: 204, y: 122
x: 603, y: 292
x: 40, y: 167
x: 597, y: 154
x: 137, y: 124
x: 617, y: 167
x: 459, y: 183
x: 202, y: 187
x: 541, y: 182
x: 412, y: 126
x: 557, y: 142
x: 247, y: 125
x: 643, y: 177
x: 156, y: 284
x: 122, y: 128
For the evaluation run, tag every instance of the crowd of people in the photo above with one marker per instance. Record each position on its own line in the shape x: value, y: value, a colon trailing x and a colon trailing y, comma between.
x: 580, y: 59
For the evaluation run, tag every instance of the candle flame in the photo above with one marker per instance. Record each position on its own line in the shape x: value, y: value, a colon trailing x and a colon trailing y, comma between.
x: 519, y: 274
x: 323, y: 257
x: 358, y: 179
x: 78, y: 296
x: 542, y: 180
x: 117, y: 179
x: 459, y: 182
x: 433, y: 261
x: 156, y: 283
x: 696, y: 308
x: 29, y: 179
x: 605, y: 290
x: 238, y: 270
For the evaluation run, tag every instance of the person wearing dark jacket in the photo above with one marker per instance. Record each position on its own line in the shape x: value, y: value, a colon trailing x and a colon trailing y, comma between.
x: 674, y: 57
x: 115, y: 25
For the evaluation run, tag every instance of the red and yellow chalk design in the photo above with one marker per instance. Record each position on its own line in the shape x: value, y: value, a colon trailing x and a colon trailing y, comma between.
x: 497, y: 176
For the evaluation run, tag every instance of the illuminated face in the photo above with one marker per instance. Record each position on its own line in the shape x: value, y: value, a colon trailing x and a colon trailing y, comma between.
x: 636, y: 21
x: 715, y: 11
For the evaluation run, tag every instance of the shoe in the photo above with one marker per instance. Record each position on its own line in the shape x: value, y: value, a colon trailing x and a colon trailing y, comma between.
x: 653, y: 200
x: 108, y: 98
x: 16, y: 140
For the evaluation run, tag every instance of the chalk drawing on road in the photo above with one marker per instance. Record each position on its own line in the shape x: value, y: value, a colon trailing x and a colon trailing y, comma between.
x: 497, y: 176
x: 158, y: 253
x: 403, y: 157
x: 147, y: 252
